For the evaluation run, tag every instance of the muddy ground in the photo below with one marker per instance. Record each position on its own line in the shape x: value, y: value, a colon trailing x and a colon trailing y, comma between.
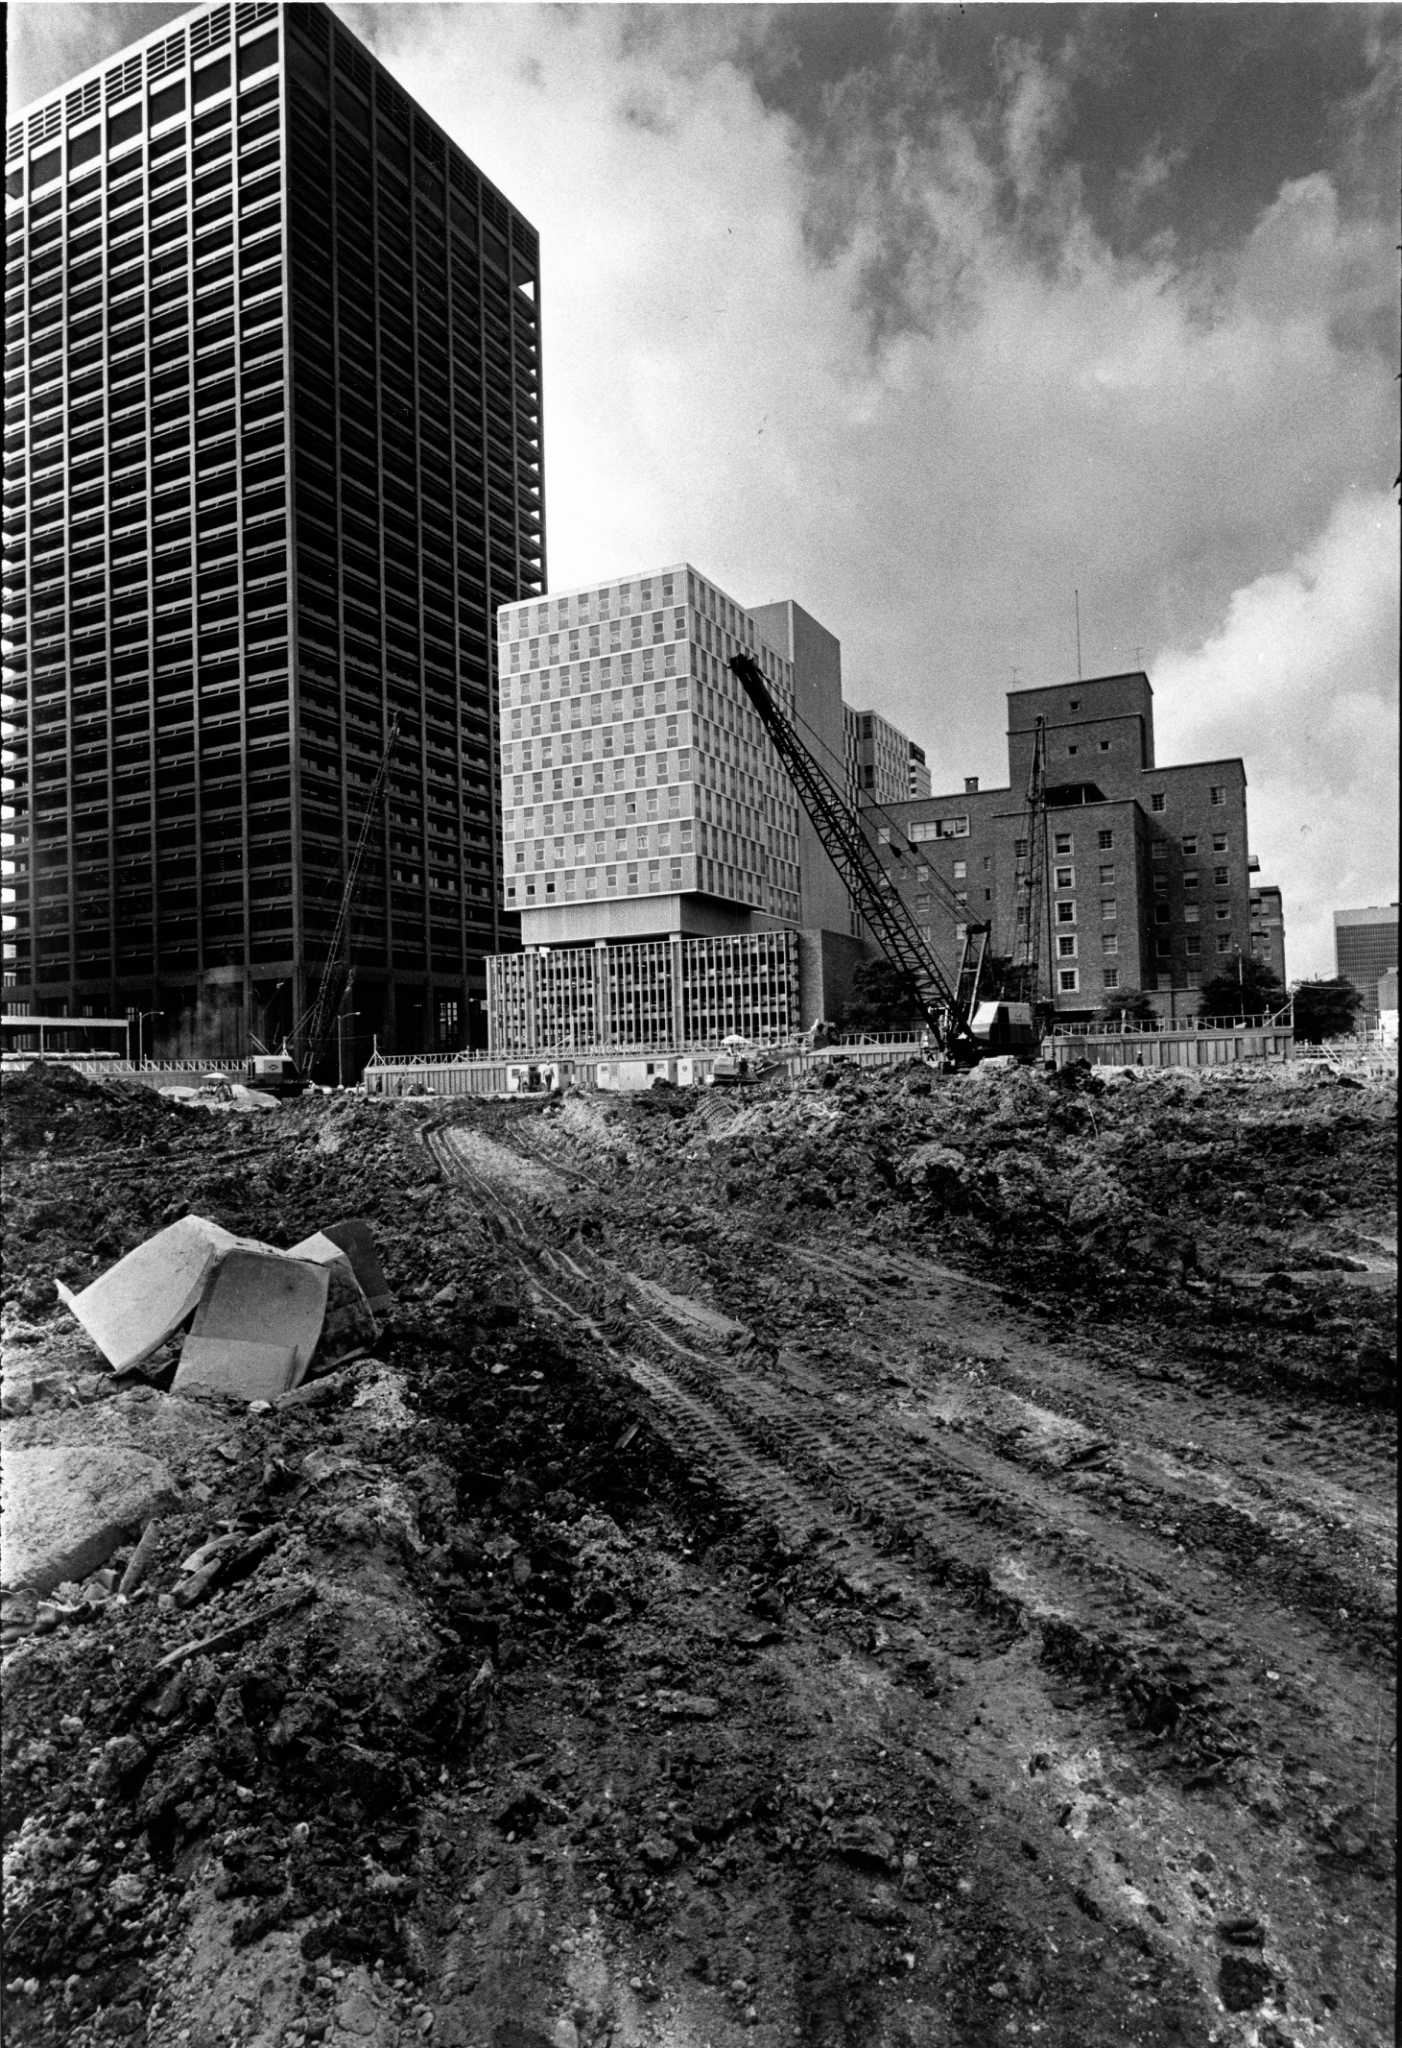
x: 897, y: 1562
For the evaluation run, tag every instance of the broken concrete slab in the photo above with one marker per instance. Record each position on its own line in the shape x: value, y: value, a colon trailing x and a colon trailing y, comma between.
x: 235, y: 1367
x: 135, y: 1305
x: 262, y: 1298
x: 67, y: 1509
x: 350, y: 1324
x: 357, y: 1240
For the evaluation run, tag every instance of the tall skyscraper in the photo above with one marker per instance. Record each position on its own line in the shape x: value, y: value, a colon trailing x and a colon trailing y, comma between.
x: 274, y: 458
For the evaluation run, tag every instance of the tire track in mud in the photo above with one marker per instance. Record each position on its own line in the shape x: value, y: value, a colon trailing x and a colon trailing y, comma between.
x: 1055, y: 1642
x: 1179, y: 1491
x: 899, y: 1522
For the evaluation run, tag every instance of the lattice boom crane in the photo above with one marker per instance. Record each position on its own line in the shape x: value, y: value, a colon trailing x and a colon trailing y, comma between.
x: 851, y: 852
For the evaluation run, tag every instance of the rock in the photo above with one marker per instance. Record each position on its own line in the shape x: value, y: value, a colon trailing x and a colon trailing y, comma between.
x: 658, y: 1852
x: 358, y: 2013
x: 865, y: 1842
x: 686, y: 1706
x: 1243, y: 1930
x: 1242, y: 1982
x: 66, y: 1510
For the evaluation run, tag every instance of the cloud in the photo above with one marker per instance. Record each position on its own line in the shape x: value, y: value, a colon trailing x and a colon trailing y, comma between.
x: 882, y: 360
x: 929, y: 326
x: 1298, y: 677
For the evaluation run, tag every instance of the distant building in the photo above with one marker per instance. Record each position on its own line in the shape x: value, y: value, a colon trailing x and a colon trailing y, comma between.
x: 1365, y: 949
x: 882, y: 758
x: 273, y: 385
x: 918, y: 774
x: 1268, y: 930
x: 669, y: 885
x: 1146, y: 869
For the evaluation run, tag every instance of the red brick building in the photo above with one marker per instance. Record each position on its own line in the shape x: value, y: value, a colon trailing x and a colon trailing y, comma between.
x: 1145, y: 870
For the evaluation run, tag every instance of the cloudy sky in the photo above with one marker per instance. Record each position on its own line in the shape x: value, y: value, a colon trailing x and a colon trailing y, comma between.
x: 932, y: 317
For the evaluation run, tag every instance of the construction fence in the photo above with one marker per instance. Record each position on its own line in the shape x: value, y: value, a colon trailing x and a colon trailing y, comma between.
x: 1195, y: 1042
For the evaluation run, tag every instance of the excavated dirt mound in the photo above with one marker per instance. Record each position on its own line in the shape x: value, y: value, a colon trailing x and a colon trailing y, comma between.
x: 898, y: 1561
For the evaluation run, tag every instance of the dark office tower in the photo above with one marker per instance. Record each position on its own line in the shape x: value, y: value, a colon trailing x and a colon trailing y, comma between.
x: 273, y: 457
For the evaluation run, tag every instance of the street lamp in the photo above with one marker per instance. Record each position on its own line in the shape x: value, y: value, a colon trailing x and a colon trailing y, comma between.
x: 140, y: 1043
x: 342, y: 1019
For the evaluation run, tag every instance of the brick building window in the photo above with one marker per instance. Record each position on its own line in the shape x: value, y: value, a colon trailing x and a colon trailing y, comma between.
x: 1111, y: 977
x: 1066, y: 947
x: 1157, y: 800
x: 1105, y: 840
x: 1068, y: 981
x: 1217, y: 794
x: 1190, y: 844
x: 1066, y: 913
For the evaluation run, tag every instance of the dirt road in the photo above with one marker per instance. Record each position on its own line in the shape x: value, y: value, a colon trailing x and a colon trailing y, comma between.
x: 1142, y: 1619
x: 910, y: 1566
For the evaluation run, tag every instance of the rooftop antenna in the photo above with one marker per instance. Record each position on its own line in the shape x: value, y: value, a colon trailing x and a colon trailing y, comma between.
x: 1077, y: 595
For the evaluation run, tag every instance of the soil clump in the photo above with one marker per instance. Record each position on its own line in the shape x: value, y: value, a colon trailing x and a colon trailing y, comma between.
x: 891, y: 1560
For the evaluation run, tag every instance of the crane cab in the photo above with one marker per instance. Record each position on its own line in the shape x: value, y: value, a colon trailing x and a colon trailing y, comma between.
x: 1001, y: 1027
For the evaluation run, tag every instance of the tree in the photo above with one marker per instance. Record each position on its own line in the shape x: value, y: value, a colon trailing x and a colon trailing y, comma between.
x: 1128, y: 1006
x: 1325, y: 1009
x: 880, y: 999
x: 1249, y: 988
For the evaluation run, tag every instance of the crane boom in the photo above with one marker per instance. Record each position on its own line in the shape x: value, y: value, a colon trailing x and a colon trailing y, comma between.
x: 1032, y: 894
x: 858, y: 863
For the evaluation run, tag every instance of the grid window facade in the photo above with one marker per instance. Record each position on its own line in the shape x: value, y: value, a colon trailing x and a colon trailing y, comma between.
x: 631, y: 762
x: 274, y: 448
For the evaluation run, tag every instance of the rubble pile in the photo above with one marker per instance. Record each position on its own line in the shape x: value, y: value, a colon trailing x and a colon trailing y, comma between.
x: 1226, y: 1207
x: 900, y: 1559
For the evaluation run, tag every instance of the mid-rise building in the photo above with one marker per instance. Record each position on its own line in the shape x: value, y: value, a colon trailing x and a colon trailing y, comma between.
x: 273, y: 460
x: 1268, y: 930
x: 918, y: 781
x: 670, y: 887
x: 883, y: 759
x: 1144, y: 880
x: 1365, y: 949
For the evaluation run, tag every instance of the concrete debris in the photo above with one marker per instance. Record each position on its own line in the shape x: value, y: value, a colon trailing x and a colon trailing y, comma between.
x: 67, y: 1509
x: 349, y: 1325
x: 145, y: 1297
x: 256, y: 1302
x: 357, y: 1241
x: 232, y: 1365
x: 260, y: 1316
